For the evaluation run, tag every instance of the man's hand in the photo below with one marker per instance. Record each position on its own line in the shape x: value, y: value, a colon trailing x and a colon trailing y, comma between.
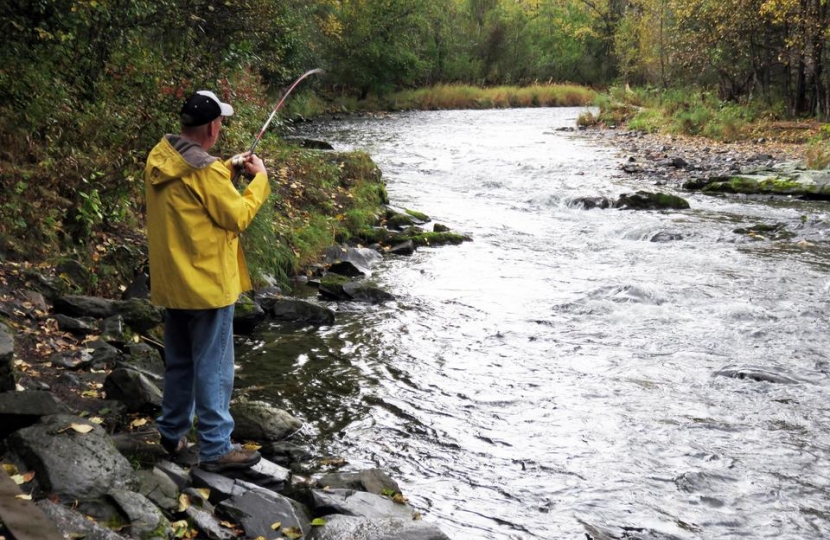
x: 254, y: 164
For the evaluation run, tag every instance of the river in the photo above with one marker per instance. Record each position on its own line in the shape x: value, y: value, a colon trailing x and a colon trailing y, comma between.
x: 556, y: 376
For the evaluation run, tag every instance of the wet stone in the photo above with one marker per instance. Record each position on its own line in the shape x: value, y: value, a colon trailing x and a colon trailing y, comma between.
x: 7, y: 381
x: 359, y: 503
x: 256, y: 513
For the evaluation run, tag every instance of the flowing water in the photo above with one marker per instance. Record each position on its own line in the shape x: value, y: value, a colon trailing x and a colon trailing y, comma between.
x: 556, y: 376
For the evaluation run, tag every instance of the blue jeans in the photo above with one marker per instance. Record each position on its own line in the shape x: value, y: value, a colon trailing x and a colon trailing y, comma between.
x: 198, y: 378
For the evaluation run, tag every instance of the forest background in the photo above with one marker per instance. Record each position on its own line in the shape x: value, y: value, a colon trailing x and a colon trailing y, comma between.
x: 87, y: 87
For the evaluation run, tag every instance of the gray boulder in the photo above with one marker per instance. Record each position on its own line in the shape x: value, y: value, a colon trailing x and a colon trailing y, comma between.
x: 135, y: 389
x: 293, y: 310
x: 138, y: 314
x: 363, y: 292
x: 104, y: 355
x: 157, y: 486
x: 77, y: 325
x: 370, y: 480
x: 256, y: 513
x: 404, y: 248
x: 145, y: 358
x: 353, y: 261
x: 261, y: 421
x: 208, y: 525
x: 80, y: 463
x: 73, y: 524
x: 146, y: 520
x: 359, y: 503
x: 23, y: 409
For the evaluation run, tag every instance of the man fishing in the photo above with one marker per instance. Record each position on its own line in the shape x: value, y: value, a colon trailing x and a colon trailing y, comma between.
x: 197, y: 272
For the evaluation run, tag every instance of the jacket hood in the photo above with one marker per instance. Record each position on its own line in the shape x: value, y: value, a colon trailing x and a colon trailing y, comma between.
x: 176, y: 156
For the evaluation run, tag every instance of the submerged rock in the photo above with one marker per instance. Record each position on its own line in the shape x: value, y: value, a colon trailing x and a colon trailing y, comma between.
x: 755, y: 374
x: 294, y: 310
x: 645, y: 200
x: 358, y: 528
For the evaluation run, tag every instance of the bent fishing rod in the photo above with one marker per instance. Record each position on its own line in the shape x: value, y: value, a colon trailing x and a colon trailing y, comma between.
x: 239, y: 164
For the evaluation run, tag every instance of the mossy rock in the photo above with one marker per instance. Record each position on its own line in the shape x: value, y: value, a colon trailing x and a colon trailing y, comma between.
x: 139, y: 314
x: 762, y: 185
x: 399, y: 221
x: 334, y: 280
x: 645, y: 200
x: 373, y: 235
x: 434, y: 238
x: 420, y: 216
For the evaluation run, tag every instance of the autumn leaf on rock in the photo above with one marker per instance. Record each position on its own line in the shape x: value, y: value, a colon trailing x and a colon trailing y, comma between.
x: 78, y: 428
x: 25, y: 478
x: 293, y: 533
x: 180, y: 528
x: 138, y: 422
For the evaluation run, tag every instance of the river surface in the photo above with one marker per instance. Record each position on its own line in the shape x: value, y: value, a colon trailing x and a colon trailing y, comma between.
x: 556, y: 376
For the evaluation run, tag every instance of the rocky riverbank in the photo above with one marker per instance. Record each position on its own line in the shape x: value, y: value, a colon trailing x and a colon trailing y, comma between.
x: 80, y: 382
x: 759, y: 167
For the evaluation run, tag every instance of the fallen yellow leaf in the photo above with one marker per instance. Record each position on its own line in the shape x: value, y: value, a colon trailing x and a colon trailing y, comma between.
x: 79, y: 428
x: 23, y: 496
x: 292, y: 532
x: 184, y: 502
x: 138, y: 422
x: 276, y: 526
x: 180, y: 528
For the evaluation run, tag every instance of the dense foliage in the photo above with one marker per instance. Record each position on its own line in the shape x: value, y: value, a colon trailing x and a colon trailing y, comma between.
x: 88, y: 86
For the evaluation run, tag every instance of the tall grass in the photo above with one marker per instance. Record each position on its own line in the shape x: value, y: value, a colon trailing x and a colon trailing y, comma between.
x: 460, y: 96
x: 681, y: 112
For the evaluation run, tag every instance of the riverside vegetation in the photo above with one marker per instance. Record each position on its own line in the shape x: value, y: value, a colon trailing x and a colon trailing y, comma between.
x: 88, y: 87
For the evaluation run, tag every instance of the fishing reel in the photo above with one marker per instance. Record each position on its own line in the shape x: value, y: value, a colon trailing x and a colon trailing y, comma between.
x: 238, y: 164
x: 238, y: 161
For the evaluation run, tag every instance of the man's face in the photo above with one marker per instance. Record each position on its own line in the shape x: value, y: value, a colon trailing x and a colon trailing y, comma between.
x: 217, y: 128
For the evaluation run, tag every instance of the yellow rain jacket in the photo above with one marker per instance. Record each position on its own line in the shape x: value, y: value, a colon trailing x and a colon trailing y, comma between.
x: 194, y: 218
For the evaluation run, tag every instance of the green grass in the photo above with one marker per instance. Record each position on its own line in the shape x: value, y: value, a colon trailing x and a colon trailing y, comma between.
x: 680, y: 112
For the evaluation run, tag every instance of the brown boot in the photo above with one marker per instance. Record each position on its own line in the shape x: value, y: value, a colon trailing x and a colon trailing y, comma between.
x: 237, y: 458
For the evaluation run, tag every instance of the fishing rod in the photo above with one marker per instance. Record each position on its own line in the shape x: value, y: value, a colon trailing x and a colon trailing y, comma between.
x: 237, y: 161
